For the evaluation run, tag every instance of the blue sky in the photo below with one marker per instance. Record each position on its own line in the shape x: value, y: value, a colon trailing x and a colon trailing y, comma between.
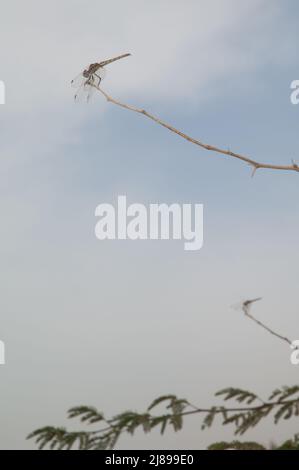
x: 83, y: 319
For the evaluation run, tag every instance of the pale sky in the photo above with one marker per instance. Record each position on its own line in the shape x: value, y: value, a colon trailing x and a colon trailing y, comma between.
x: 116, y: 324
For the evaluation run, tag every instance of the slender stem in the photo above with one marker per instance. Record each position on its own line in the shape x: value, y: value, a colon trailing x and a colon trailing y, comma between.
x: 246, y: 306
x: 253, y: 163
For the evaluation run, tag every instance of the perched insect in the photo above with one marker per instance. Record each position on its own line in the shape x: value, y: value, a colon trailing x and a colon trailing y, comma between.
x: 91, y: 77
x: 245, y: 304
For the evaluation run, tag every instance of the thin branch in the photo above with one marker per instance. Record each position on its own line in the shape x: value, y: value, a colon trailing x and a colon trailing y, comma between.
x: 239, y: 409
x: 216, y: 410
x: 253, y: 163
x: 246, y: 307
x: 106, y: 438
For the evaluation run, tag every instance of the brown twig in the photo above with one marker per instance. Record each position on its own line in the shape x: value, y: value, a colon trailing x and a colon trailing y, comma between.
x: 253, y: 163
x: 246, y: 307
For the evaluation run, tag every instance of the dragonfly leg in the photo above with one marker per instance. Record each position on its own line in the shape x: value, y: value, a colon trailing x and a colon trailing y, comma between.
x: 99, y: 78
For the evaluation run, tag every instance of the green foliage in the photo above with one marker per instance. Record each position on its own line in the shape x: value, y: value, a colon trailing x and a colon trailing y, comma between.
x: 279, y: 402
x: 86, y: 413
x: 237, y: 445
x: 284, y: 392
x: 283, y: 404
x: 243, y: 421
x: 291, y: 444
x: 241, y: 396
x: 107, y: 437
x: 211, y: 414
x: 59, y: 438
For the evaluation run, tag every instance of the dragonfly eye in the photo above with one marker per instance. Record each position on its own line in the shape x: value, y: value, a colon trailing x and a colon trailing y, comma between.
x: 85, y: 74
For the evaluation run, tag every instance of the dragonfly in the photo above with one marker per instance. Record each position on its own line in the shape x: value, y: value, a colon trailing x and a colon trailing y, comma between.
x: 245, y: 304
x: 91, y: 77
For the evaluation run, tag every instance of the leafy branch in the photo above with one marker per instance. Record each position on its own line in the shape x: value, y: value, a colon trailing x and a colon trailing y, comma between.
x: 283, y: 403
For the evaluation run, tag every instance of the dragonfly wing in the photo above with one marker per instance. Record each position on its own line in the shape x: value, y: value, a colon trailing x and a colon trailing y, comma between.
x: 84, y: 93
x: 238, y: 305
x: 78, y: 81
x: 90, y: 92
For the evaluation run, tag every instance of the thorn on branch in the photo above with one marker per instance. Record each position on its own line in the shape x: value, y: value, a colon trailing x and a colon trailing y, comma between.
x: 255, y: 167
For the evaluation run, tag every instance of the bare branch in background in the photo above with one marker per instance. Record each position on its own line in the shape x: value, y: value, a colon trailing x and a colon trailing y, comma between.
x: 246, y: 309
x: 253, y: 163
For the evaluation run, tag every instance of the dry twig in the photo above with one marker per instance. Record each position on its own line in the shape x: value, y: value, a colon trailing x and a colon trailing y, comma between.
x: 253, y: 163
x: 246, y: 307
